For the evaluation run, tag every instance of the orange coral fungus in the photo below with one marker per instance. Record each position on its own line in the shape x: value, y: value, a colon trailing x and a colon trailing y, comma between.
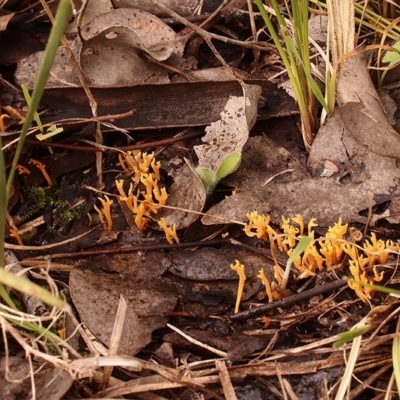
x: 239, y: 268
x: 22, y: 170
x: 170, y: 232
x: 257, y: 225
x: 146, y: 172
x: 15, y: 234
x: 140, y: 220
x: 2, y: 127
x: 265, y: 281
x: 42, y: 169
x: 101, y: 216
x: 107, y: 211
x: 327, y: 251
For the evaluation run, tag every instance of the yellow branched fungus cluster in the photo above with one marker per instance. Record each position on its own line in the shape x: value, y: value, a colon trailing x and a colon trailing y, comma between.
x: 324, y: 252
x: 146, y: 173
x: 40, y: 166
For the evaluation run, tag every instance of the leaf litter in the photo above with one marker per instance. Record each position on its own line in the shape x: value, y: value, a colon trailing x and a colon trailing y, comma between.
x: 195, y: 288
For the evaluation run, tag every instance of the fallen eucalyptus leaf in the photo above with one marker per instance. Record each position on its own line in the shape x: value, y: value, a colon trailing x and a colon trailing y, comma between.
x: 96, y: 288
x: 229, y: 134
x: 226, y: 137
x: 187, y: 194
x: 362, y: 111
x: 109, y: 55
x: 144, y: 31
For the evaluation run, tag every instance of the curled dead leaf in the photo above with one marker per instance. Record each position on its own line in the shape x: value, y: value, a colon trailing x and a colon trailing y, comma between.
x: 188, y: 195
x: 144, y: 31
x: 109, y: 55
x: 230, y: 133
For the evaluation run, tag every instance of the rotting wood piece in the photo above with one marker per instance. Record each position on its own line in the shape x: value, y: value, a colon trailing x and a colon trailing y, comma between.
x: 164, y: 106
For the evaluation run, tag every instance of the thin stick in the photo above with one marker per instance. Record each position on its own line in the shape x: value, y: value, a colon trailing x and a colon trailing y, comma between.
x: 288, y: 301
x: 249, y: 45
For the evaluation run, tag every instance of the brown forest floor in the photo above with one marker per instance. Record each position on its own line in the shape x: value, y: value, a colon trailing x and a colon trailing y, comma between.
x: 163, y: 299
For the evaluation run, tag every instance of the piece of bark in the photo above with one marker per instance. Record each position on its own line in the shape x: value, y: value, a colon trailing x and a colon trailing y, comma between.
x: 164, y: 106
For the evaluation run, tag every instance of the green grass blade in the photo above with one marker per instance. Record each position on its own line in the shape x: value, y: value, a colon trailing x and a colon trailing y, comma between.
x: 38, y: 330
x: 299, y: 249
x: 298, y: 78
x: 273, y: 34
x: 307, y: 71
x: 348, y: 336
x: 6, y: 297
x: 56, y: 33
x: 28, y: 100
x: 26, y: 286
x: 8, y: 278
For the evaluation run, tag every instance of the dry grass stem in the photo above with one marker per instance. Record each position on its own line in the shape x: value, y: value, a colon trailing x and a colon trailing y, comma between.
x: 114, y: 340
x: 197, y: 343
x: 226, y: 382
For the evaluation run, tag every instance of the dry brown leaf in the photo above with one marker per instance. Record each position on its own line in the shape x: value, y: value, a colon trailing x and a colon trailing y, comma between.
x: 263, y: 159
x: 187, y: 194
x: 230, y: 133
x: 362, y: 110
x: 50, y: 383
x: 96, y: 288
x: 61, y: 75
x: 369, y: 127
x: 323, y: 198
x: 203, y: 264
x: 109, y: 54
x: 140, y: 29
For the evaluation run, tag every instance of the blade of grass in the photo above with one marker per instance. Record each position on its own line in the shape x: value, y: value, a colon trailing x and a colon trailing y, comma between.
x: 378, y: 288
x: 307, y: 71
x: 38, y: 330
x: 8, y: 278
x: 26, y: 286
x: 296, y: 62
x: 299, y: 249
x: 28, y: 100
x: 56, y: 33
x: 6, y: 297
x: 348, y: 336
